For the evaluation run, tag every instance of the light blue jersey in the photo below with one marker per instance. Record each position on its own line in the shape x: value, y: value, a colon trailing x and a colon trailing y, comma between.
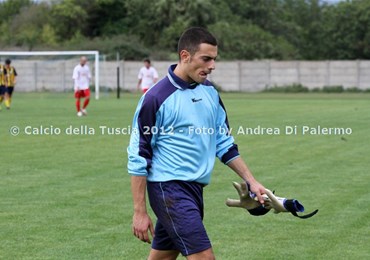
x: 178, y: 130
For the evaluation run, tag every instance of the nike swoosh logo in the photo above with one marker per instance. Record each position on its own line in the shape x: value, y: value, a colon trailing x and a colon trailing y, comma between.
x: 196, y: 100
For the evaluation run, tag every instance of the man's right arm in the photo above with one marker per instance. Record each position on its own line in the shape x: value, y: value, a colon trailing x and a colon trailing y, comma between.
x: 155, y: 76
x: 141, y: 221
x: 140, y: 154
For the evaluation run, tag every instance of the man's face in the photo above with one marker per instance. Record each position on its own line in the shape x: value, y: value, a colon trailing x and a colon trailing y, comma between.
x: 146, y: 64
x: 201, y: 63
x: 83, y: 61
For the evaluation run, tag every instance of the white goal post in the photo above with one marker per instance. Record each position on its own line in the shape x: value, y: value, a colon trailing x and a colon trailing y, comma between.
x: 56, y: 53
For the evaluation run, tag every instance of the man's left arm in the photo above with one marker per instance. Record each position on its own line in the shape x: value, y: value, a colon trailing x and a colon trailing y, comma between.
x: 5, y: 77
x: 15, y: 77
x: 89, y: 74
x: 155, y: 76
x: 228, y: 153
x: 240, y: 167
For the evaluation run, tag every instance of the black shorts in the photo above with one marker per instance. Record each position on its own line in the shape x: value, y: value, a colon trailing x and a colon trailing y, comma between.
x: 178, y: 206
x: 2, y: 90
x: 9, y: 90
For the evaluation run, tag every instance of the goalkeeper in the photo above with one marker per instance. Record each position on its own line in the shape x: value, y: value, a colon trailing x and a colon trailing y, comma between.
x: 174, y: 162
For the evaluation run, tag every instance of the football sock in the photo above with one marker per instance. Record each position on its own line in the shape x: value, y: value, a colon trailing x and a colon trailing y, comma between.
x: 1, y: 99
x: 78, y: 105
x: 7, y: 102
x: 86, y: 102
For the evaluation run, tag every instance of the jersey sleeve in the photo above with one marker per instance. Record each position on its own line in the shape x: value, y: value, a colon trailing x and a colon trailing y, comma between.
x: 142, y: 140
x: 226, y: 149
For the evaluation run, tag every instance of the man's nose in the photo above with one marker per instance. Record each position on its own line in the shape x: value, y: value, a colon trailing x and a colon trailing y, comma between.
x: 212, y: 65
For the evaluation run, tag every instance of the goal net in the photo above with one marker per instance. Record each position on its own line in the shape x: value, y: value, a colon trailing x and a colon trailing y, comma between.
x: 50, y: 70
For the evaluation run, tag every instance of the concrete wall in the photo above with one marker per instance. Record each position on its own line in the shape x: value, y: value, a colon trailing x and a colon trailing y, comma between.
x: 249, y: 76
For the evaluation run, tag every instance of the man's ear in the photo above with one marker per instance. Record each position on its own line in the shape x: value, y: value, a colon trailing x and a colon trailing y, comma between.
x: 185, y: 56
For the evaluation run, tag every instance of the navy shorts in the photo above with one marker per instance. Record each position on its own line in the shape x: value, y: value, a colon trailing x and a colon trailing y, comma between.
x: 2, y: 90
x: 9, y: 90
x: 178, y: 206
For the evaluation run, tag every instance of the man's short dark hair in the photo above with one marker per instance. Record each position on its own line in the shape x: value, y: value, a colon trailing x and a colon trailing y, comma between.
x: 8, y: 61
x: 147, y: 60
x: 193, y: 37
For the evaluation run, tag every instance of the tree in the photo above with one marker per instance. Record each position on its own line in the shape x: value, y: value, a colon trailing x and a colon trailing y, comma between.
x: 248, y: 41
x: 8, y: 9
x: 347, y: 31
x: 68, y: 18
x: 172, y: 17
x: 28, y: 27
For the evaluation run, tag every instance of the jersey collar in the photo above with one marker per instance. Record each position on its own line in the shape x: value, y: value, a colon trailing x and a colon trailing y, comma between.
x: 178, y: 82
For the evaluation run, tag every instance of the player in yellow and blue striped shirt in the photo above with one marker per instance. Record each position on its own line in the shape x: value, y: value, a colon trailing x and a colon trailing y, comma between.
x: 2, y: 83
x: 10, y: 81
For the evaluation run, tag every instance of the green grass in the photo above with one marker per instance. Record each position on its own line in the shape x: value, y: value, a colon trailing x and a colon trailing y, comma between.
x: 68, y: 196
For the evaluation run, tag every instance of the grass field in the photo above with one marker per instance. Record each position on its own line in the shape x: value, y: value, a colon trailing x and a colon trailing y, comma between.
x: 68, y: 197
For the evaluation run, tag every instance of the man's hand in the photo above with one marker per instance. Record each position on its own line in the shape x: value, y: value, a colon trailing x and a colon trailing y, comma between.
x: 141, y: 224
x: 257, y: 188
x: 239, y: 166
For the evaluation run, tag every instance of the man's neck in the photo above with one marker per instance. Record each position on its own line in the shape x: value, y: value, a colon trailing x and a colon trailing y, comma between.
x: 179, y: 72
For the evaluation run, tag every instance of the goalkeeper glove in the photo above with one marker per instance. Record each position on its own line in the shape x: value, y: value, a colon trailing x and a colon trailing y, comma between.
x: 246, y: 200
x: 249, y: 201
x: 285, y: 205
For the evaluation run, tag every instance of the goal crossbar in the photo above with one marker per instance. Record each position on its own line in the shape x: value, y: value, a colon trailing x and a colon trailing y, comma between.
x: 49, y: 53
